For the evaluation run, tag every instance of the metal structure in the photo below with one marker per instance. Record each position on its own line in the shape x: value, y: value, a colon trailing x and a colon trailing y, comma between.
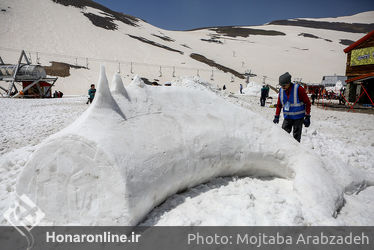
x: 24, y: 72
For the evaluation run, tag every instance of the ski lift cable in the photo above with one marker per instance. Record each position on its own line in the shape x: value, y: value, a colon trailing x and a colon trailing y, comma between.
x: 132, y: 64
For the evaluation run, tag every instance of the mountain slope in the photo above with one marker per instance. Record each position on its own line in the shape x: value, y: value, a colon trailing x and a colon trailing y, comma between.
x: 86, y: 34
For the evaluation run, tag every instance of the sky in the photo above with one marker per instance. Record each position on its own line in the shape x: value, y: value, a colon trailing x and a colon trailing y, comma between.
x: 190, y: 14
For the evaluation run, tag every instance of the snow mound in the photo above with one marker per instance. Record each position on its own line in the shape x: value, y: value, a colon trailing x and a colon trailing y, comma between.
x: 128, y: 153
x: 252, y: 89
x: 337, y: 88
x: 137, y: 81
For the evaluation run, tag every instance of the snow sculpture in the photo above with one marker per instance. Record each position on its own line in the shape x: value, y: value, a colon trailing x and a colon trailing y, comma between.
x: 134, y: 147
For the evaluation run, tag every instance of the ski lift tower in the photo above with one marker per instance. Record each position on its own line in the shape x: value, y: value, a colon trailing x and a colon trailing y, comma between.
x: 248, y: 74
x: 32, y: 77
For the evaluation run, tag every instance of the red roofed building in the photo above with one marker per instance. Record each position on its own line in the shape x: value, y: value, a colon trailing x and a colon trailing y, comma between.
x: 360, y: 69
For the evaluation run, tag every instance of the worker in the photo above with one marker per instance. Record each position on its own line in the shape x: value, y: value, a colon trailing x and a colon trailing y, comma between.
x: 296, y: 106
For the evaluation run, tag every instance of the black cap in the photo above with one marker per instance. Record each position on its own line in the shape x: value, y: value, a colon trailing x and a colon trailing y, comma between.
x: 285, y: 79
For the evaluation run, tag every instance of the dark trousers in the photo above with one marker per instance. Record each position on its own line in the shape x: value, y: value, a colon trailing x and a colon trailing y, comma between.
x: 295, y: 125
x: 262, y: 100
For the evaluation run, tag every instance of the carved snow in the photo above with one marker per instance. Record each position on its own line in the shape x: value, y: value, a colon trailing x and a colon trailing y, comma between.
x: 134, y: 147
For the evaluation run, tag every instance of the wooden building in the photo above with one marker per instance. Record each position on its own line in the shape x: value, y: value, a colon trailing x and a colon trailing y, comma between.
x: 360, y: 70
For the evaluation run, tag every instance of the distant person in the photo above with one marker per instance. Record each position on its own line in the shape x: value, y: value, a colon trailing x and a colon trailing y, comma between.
x: 241, y: 88
x: 263, y: 96
x: 341, y: 96
x: 313, y: 98
x: 55, y: 94
x: 296, y: 106
x: 60, y: 94
x: 224, y: 87
x: 267, y: 90
x: 91, y: 94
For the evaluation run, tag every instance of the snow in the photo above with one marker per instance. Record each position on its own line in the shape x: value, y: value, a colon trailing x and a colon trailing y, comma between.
x: 117, y: 87
x: 363, y: 17
x: 127, y: 158
x: 232, y: 201
x: 336, y: 136
x: 25, y: 123
x: 336, y: 89
x: 253, y: 89
x: 23, y: 127
x: 270, y: 56
x: 288, y: 183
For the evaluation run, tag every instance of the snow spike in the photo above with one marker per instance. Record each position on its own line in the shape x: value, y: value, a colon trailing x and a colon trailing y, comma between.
x: 103, y: 98
x: 118, y: 87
